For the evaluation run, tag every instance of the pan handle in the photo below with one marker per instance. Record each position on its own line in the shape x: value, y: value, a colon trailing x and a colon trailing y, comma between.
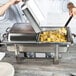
x: 74, y: 38
x: 73, y: 34
x: 8, y: 29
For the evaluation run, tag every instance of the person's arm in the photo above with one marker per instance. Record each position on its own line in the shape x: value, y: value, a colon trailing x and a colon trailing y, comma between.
x: 4, y: 7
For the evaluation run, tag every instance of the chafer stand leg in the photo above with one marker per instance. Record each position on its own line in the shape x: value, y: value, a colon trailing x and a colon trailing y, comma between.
x: 56, y: 58
x: 17, y: 53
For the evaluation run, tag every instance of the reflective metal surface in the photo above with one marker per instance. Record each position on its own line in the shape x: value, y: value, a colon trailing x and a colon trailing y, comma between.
x: 24, y: 33
x: 22, y: 28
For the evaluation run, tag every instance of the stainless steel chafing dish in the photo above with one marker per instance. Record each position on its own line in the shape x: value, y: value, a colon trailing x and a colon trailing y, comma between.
x: 25, y: 37
x: 24, y: 33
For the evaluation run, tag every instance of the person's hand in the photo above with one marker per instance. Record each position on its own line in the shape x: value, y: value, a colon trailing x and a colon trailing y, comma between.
x: 73, y: 12
x: 12, y: 2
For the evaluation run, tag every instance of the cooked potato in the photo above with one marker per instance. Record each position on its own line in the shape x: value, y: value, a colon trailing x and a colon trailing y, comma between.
x: 54, y: 35
x: 62, y: 30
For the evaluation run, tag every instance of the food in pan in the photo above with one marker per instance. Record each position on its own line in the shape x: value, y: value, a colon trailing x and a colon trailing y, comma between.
x: 53, y: 35
x: 62, y: 31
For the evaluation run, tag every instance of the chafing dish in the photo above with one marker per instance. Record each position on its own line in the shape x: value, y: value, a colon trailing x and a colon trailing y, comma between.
x: 24, y: 33
x: 25, y: 37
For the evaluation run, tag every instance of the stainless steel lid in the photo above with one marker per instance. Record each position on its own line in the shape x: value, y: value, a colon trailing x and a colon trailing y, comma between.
x: 33, y: 14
